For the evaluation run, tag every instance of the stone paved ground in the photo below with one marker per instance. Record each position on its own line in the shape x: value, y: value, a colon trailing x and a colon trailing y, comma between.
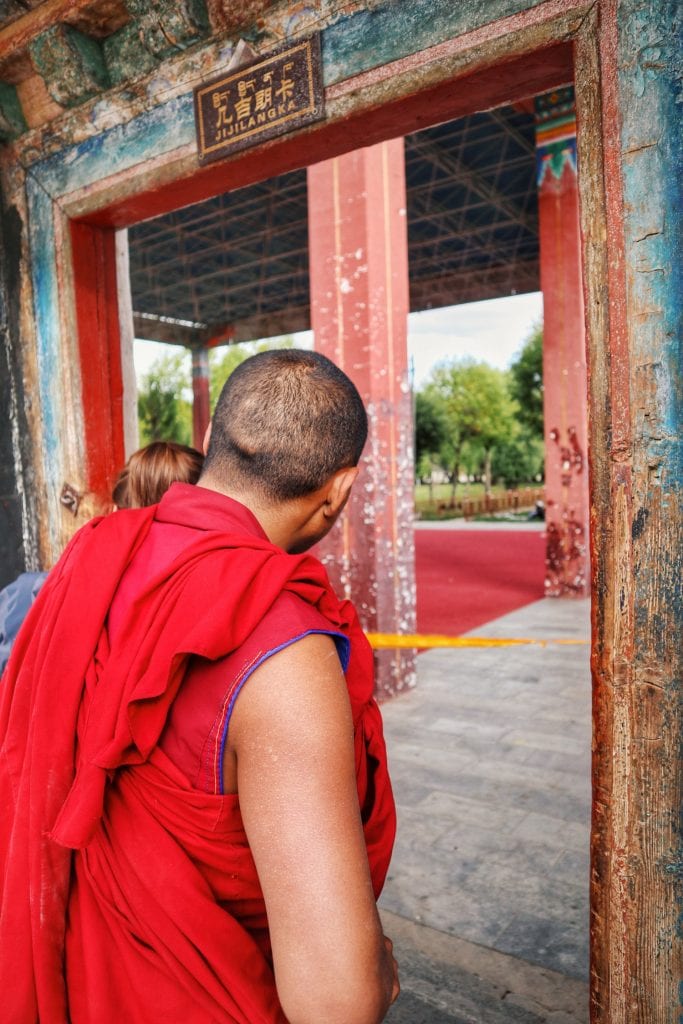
x: 488, y: 889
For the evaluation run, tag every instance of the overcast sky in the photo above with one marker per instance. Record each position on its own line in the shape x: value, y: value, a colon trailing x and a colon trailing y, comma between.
x: 491, y: 331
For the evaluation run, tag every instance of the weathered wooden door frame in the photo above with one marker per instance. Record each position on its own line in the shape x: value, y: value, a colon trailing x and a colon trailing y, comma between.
x: 526, y: 53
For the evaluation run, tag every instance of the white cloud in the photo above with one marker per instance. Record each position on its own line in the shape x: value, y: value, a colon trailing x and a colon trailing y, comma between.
x: 491, y: 331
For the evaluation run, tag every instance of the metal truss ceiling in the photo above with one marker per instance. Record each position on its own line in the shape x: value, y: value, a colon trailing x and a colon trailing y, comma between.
x: 239, y: 262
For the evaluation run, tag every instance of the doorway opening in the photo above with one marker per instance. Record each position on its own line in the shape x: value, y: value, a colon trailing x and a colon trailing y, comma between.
x: 502, y: 810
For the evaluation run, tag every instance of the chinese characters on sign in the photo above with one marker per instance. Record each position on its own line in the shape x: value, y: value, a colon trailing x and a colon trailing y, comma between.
x: 279, y: 93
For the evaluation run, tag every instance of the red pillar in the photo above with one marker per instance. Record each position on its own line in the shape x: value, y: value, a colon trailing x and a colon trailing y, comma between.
x: 359, y: 309
x: 201, y: 405
x: 564, y: 348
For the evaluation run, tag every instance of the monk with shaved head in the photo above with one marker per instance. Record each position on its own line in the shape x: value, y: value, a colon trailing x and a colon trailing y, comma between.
x: 285, y: 424
x: 198, y: 818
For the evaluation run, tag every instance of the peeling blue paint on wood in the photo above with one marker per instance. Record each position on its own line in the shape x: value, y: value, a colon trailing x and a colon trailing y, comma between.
x: 651, y: 97
x: 650, y: 81
x: 48, y: 340
x: 153, y: 133
x: 369, y: 39
x: 650, y: 84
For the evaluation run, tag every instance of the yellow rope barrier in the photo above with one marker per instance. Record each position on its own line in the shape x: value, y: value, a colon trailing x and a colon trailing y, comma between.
x: 387, y: 640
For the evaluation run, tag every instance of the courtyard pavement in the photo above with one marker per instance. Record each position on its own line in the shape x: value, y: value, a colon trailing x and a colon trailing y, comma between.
x: 487, y: 896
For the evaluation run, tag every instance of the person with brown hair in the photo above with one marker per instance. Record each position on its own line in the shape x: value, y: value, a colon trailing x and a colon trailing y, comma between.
x: 143, y: 481
x: 151, y: 470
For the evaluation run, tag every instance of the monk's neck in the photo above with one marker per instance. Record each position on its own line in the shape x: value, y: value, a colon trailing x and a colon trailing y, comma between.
x: 280, y: 522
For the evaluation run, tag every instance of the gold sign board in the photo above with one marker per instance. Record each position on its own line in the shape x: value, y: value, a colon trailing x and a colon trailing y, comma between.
x: 272, y: 96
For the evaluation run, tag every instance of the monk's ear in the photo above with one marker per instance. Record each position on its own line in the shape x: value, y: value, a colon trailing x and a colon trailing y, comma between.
x: 207, y: 438
x: 338, y: 492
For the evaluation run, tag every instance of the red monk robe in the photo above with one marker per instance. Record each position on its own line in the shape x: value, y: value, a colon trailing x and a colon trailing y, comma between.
x: 127, y: 893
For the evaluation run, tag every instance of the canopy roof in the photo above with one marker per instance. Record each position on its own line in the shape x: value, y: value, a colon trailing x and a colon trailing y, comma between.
x: 236, y: 267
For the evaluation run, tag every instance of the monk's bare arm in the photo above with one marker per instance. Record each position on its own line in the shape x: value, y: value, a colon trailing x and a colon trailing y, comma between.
x: 292, y: 734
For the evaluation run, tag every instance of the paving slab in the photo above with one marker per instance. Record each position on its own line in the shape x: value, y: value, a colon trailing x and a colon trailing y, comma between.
x: 448, y: 980
x: 490, y: 757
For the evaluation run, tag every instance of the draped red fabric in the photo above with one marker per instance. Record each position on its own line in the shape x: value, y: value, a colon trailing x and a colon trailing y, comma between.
x: 128, y: 895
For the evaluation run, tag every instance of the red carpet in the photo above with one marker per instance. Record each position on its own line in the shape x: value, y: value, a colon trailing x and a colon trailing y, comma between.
x: 468, y: 577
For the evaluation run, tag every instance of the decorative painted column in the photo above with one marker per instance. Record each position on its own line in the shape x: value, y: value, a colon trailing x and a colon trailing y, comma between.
x: 201, y: 405
x: 359, y: 308
x: 564, y: 348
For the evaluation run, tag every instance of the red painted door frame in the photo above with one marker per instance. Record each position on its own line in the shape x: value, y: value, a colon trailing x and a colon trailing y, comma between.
x: 99, y: 347
x: 92, y: 237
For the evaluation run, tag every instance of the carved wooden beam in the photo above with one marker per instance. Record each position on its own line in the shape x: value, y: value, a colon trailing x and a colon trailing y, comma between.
x: 70, y: 63
x: 158, y: 30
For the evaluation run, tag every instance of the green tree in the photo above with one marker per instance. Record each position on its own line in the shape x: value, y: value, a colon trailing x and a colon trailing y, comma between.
x: 480, y: 411
x: 164, y: 400
x: 431, y: 434
x: 526, y: 382
x: 518, y: 459
x: 430, y: 424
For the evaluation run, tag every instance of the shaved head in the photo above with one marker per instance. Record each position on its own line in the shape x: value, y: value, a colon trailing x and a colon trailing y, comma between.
x: 285, y: 422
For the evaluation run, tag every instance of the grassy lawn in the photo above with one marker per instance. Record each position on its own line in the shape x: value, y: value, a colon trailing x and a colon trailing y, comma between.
x: 442, y: 494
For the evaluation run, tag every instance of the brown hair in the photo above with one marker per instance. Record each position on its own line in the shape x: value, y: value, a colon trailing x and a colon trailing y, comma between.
x: 151, y: 470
